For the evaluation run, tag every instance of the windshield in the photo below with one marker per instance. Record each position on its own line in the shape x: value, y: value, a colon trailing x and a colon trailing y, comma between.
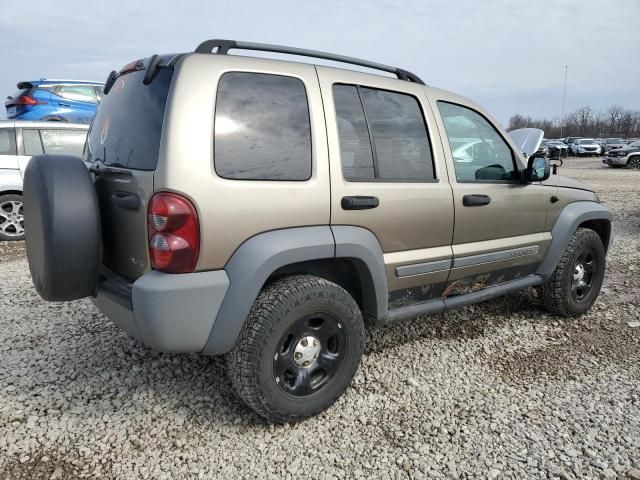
x: 586, y: 140
x: 635, y: 144
x: 615, y: 140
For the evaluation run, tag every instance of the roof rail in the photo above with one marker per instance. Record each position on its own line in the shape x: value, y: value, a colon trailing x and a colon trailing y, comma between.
x: 223, y: 47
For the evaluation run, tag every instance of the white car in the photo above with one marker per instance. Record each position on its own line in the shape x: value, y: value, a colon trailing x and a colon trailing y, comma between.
x: 19, y: 141
x: 585, y: 147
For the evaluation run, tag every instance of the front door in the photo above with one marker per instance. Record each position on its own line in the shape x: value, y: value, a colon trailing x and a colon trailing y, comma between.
x: 388, y: 176
x: 499, y: 232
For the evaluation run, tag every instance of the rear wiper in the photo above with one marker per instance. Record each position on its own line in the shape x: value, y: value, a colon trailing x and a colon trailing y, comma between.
x: 98, y: 168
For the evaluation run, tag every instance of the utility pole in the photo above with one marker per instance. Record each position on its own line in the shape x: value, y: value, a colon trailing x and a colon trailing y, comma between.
x: 564, y: 96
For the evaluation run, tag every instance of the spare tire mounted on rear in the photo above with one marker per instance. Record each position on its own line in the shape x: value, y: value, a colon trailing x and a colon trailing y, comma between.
x: 62, y: 227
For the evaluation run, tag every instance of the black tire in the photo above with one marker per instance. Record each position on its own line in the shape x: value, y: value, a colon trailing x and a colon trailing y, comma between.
x: 62, y: 227
x: 282, y: 317
x: 563, y: 293
x: 11, y: 217
x: 634, y: 161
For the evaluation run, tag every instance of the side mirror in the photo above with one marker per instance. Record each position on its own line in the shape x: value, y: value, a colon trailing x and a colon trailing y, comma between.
x: 538, y: 169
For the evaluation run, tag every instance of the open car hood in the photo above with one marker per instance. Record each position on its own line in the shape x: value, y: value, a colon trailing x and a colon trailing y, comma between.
x: 527, y: 139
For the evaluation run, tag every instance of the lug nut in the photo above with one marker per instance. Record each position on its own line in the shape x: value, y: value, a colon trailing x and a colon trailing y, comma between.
x: 305, y: 364
x: 315, y: 343
x: 304, y: 342
x: 298, y: 355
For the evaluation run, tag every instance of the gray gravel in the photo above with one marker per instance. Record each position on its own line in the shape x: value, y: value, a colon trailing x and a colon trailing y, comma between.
x: 499, y: 390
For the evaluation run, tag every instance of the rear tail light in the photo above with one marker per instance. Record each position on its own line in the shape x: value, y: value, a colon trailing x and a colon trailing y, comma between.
x: 25, y: 100
x: 174, y: 233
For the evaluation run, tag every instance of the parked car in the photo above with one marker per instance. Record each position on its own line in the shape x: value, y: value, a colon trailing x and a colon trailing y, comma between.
x: 627, y: 156
x: 272, y: 229
x: 569, y: 140
x: 556, y: 149
x: 56, y: 100
x: 19, y: 141
x: 611, y: 143
x: 585, y: 147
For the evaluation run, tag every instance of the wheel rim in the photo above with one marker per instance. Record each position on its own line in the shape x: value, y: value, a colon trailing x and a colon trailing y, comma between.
x: 11, y: 218
x: 584, y: 273
x: 309, y: 354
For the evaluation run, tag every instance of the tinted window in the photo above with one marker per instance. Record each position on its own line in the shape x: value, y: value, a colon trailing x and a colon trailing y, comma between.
x: 63, y: 142
x: 128, y: 123
x: 355, y: 147
x: 262, y: 129
x: 80, y: 93
x: 7, y: 141
x: 401, y: 149
x: 479, y: 152
x: 32, y: 143
x: 399, y: 135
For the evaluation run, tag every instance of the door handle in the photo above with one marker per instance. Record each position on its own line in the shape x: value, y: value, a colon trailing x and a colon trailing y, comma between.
x: 476, y: 200
x: 125, y: 200
x: 62, y: 104
x: 359, y: 202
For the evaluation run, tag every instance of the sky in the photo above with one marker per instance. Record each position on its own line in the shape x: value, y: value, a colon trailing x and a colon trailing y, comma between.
x: 507, y: 55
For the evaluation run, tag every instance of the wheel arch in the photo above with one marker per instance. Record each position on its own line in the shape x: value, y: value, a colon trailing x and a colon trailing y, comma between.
x: 334, y: 253
x: 581, y: 214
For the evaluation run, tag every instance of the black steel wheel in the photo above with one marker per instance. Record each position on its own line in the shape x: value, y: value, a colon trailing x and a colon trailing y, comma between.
x: 299, y: 348
x: 575, y: 283
x: 309, y: 354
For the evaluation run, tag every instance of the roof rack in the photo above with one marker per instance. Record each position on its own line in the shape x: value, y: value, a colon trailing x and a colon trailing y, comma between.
x: 223, y: 47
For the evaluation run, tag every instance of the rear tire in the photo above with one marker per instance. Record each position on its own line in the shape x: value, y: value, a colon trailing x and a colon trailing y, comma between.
x: 574, y: 285
x: 298, y: 350
x: 11, y: 217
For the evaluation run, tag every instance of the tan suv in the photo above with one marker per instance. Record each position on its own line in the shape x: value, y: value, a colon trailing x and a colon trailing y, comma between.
x: 266, y: 209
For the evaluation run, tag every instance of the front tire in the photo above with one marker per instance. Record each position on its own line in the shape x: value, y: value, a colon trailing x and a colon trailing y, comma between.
x: 574, y: 285
x: 298, y: 350
x: 634, y: 162
x: 11, y: 217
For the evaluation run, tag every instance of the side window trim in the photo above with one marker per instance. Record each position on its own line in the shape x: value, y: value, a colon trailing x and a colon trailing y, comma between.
x: 516, y: 165
x: 377, y: 179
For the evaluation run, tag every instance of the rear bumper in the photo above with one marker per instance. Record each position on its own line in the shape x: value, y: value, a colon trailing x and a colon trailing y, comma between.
x: 170, y: 313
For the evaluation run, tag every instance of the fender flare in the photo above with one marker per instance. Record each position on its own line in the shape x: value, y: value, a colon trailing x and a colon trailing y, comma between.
x: 257, y: 258
x: 571, y: 217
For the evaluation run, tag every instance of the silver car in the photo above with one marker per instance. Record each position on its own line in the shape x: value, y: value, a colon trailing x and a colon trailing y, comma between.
x: 19, y: 141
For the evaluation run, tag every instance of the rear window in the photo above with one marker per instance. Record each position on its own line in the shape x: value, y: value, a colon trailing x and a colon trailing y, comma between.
x: 126, y: 129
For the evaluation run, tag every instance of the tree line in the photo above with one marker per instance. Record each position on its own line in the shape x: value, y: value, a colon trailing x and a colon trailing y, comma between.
x: 615, y: 121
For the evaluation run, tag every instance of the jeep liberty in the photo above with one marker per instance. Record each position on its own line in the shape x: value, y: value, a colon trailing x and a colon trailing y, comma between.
x: 266, y: 210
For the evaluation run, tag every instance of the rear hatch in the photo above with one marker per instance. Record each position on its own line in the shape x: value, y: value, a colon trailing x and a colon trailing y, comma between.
x: 125, y: 138
x: 25, y: 99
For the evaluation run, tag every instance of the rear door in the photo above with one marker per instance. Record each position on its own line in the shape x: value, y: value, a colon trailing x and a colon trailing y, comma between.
x: 76, y: 103
x: 382, y: 146
x: 126, y: 133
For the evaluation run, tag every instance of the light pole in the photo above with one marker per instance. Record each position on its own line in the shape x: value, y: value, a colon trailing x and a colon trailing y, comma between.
x: 564, y: 96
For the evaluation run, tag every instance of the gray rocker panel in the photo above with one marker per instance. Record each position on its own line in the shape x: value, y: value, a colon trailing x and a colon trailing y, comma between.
x: 571, y: 217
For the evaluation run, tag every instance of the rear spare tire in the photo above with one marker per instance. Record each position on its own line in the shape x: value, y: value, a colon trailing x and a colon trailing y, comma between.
x: 62, y: 227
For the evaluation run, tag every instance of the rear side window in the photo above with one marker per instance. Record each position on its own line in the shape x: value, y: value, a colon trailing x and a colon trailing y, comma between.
x: 383, y: 136
x: 7, y: 141
x: 128, y: 124
x: 79, y: 93
x: 262, y: 128
x: 63, y: 142
x: 54, y: 141
x: 31, y: 142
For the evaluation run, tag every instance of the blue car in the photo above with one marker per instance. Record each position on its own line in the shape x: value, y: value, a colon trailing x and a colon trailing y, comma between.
x: 56, y: 100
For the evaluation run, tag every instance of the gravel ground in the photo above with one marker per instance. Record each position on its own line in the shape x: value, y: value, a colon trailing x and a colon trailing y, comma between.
x: 498, y: 390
